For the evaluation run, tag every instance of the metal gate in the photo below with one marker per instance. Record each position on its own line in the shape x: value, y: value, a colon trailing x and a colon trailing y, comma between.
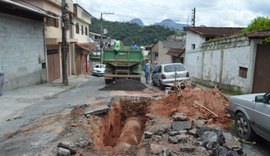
x: 261, y: 81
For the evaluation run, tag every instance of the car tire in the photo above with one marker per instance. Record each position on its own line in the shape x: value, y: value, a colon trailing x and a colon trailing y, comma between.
x: 243, y: 127
x: 161, y: 86
x: 107, y: 81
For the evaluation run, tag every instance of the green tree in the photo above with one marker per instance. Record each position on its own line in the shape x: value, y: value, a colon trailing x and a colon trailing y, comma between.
x: 259, y: 23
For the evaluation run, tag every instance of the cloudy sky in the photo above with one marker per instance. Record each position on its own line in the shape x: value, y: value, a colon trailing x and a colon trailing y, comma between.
x: 224, y: 13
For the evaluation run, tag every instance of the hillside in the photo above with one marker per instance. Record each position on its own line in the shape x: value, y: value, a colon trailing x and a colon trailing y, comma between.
x: 128, y: 32
x: 137, y: 21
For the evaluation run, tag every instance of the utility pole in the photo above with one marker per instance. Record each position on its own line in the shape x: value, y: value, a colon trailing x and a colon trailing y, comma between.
x: 64, y: 42
x: 101, y: 33
x: 193, y: 16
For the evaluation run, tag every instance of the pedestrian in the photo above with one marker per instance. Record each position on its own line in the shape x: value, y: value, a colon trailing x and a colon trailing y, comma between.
x: 147, y: 69
x: 133, y: 46
x: 155, y: 65
x: 117, y: 46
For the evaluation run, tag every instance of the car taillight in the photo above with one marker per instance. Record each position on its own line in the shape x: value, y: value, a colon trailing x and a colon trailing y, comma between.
x: 187, y: 75
x: 163, y: 76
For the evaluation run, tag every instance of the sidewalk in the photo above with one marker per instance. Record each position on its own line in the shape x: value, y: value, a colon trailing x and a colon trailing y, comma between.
x: 11, y: 102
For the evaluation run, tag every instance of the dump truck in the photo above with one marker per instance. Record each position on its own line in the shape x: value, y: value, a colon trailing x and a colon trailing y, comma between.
x: 124, y: 64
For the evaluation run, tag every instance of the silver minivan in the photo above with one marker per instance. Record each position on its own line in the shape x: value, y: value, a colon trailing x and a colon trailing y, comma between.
x: 168, y: 73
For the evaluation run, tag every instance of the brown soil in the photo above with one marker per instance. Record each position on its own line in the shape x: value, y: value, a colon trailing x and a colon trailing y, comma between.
x: 189, y: 102
x: 125, y: 85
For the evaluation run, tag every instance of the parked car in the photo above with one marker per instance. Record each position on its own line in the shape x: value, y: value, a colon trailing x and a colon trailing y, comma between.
x: 168, y: 73
x: 99, y: 70
x: 251, y: 113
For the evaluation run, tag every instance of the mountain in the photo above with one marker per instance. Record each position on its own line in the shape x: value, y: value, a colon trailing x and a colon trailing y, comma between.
x: 137, y: 21
x: 171, y: 24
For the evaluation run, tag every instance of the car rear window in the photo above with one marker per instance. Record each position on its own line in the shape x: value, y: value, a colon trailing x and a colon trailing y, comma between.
x: 174, y: 67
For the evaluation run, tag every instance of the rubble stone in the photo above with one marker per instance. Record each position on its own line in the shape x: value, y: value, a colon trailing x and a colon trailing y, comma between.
x: 98, y: 110
x: 148, y: 135
x: 181, y: 125
x: 232, y: 142
x: 193, y: 132
x: 156, y: 138
x: 67, y: 145
x: 178, y: 139
x: 84, y: 143
x: 174, y: 133
x: 179, y: 117
x: 63, y: 152
x: 165, y: 152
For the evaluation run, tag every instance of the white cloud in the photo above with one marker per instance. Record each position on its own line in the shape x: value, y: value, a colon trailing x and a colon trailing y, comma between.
x: 222, y: 13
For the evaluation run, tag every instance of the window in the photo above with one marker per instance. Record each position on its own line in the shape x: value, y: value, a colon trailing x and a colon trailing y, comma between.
x: 193, y: 46
x: 174, y: 68
x: 86, y: 31
x: 82, y: 29
x: 243, y: 72
x: 77, y: 28
x: 52, y: 22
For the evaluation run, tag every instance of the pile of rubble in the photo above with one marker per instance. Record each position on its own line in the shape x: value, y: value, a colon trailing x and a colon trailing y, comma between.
x: 181, y: 137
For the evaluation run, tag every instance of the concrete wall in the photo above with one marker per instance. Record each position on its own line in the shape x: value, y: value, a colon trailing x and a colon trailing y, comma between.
x: 217, y: 63
x: 22, y: 51
x: 162, y: 56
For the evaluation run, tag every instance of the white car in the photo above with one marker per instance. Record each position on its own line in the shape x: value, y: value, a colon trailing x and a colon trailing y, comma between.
x: 168, y: 73
x: 99, y: 70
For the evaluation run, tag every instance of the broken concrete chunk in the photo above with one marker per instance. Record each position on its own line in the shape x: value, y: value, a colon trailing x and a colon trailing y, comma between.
x: 165, y: 152
x: 156, y: 138
x: 178, y: 139
x: 96, y: 111
x: 179, y: 117
x: 174, y: 133
x: 63, y: 152
x: 232, y: 142
x: 148, y: 135
x: 193, y: 132
x: 67, y: 145
x: 181, y: 125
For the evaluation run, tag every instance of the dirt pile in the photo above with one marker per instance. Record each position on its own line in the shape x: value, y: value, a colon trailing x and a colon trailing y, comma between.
x: 196, y: 103
x: 125, y: 85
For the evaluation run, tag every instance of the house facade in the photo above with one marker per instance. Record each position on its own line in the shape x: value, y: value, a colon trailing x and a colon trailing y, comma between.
x: 53, y: 35
x: 159, y: 51
x: 82, y: 21
x: 228, y: 62
x: 22, y: 54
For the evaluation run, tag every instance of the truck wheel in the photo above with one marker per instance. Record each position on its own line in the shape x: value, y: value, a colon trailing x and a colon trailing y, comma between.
x: 243, y: 128
x: 107, y: 81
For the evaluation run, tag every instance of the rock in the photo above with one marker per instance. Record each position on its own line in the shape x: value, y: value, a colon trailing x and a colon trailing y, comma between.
x: 99, y: 110
x: 67, y: 145
x: 178, y: 139
x: 174, y: 133
x: 156, y: 138
x: 148, y: 135
x: 179, y: 117
x: 161, y: 128
x: 199, y: 123
x: 187, y: 149
x: 63, y: 152
x: 193, y: 132
x: 231, y: 142
x: 210, y: 137
x: 165, y: 152
x: 84, y: 143
x: 181, y: 125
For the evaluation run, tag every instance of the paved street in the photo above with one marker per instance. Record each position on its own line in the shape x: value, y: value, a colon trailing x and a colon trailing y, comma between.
x: 60, y: 99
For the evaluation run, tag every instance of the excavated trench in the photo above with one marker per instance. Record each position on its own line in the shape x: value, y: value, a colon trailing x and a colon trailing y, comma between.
x: 123, y: 126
